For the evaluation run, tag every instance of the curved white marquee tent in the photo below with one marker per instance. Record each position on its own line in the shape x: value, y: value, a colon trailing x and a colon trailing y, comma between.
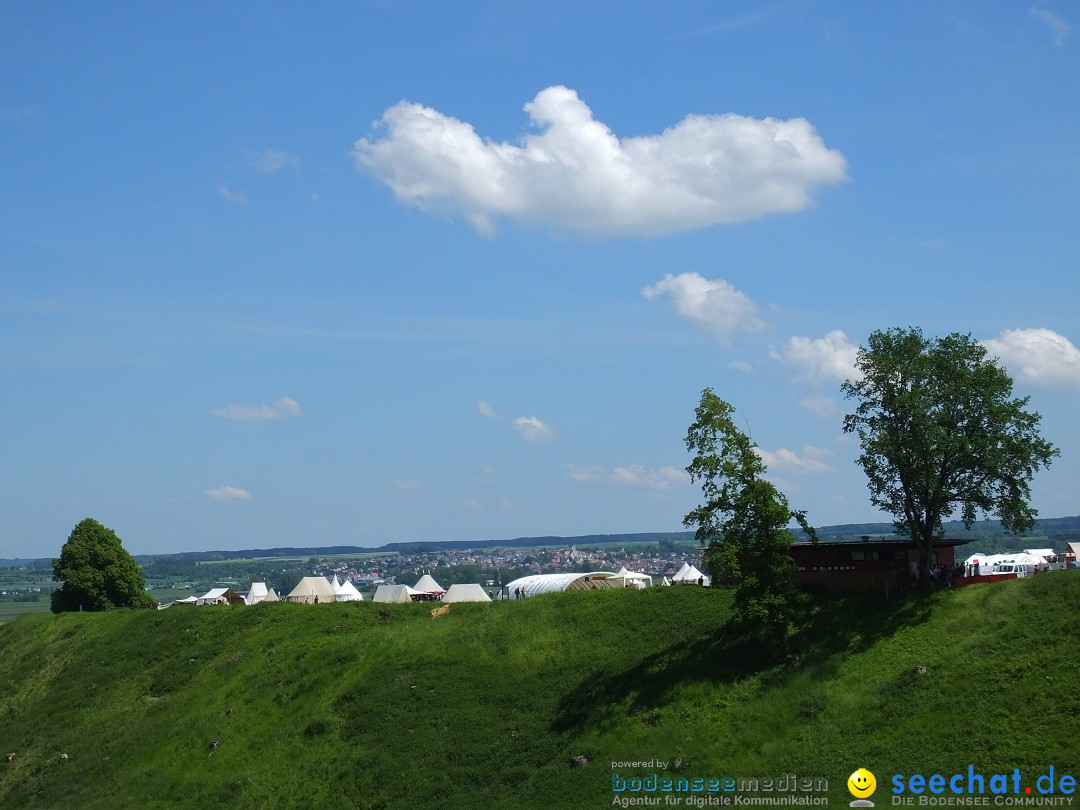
x: 535, y: 584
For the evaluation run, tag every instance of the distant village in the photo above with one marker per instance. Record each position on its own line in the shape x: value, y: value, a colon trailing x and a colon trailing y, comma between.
x: 503, y: 565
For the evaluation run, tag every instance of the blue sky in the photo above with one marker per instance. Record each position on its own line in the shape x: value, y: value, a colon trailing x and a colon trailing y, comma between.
x: 375, y: 271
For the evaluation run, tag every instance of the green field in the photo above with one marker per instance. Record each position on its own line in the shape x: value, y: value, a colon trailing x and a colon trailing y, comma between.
x: 364, y: 705
x: 12, y: 610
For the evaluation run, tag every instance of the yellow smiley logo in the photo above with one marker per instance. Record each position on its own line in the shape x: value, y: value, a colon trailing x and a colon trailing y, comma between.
x: 861, y: 783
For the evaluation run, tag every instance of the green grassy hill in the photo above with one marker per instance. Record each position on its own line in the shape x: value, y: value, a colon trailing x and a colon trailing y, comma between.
x: 362, y: 705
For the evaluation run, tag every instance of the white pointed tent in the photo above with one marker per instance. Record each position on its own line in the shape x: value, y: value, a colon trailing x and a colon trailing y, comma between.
x: 689, y: 575
x: 311, y: 590
x: 459, y: 592
x: 395, y: 593
x: 427, y: 584
x: 259, y: 592
x: 346, y: 592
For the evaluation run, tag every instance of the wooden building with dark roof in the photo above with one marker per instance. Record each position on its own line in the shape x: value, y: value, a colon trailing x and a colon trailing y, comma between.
x: 883, y: 565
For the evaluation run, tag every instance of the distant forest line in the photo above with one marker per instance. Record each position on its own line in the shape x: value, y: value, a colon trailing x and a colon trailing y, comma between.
x: 1051, y: 532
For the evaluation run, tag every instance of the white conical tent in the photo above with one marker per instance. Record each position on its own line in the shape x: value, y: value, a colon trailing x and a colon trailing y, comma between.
x: 426, y: 584
x: 346, y: 592
x: 466, y: 593
x: 689, y: 575
x: 310, y: 590
x: 259, y: 592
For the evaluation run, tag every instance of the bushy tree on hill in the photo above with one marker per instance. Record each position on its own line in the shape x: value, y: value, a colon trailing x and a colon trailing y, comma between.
x: 743, y: 522
x: 940, y: 429
x: 97, y: 572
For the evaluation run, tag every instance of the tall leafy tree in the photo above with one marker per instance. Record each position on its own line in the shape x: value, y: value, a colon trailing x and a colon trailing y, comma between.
x: 743, y: 522
x: 97, y: 572
x: 941, y: 430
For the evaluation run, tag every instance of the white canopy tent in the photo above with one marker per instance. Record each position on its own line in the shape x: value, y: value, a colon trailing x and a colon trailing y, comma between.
x: 311, y: 590
x: 689, y: 575
x: 631, y: 579
x: 459, y: 592
x: 1048, y: 558
x: 219, y: 596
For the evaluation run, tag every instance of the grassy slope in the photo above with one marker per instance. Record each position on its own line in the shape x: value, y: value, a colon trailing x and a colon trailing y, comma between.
x: 379, y: 706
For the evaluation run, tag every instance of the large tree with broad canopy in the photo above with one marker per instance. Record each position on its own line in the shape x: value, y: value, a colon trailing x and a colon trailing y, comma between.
x: 940, y: 431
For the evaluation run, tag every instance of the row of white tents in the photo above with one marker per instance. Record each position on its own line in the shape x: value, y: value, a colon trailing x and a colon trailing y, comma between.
x: 320, y: 590
x: 1039, y: 559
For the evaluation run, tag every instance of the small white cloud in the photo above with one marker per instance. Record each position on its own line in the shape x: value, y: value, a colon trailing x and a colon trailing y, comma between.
x: 18, y: 115
x: 270, y: 160
x: 485, y: 410
x: 507, y: 504
x: 1037, y: 356
x: 633, y: 475
x: 533, y: 430
x: 475, y: 506
x: 713, y: 304
x: 934, y: 244
x: 586, y: 474
x: 407, y: 485
x: 284, y: 408
x: 235, y: 197
x: 573, y: 172
x: 831, y: 358
x: 638, y: 476
x: 741, y: 366
x: 788, y: 461
x: 228, y: 494
x: 1056, y: 24
x: 823, y: 406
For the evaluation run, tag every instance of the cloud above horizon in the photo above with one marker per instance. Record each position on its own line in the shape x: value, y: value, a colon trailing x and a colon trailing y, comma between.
x: 271, y: 161
x: 811, y: 462
x: 1037, y: 356
x: 826, y: 359
x: 533, y: 430
x: 712, y: 304
x: 633, y: 475
x: 283, y: 408
x: 1057, y: 25
x: 228, y: 494
x: 573, y: 172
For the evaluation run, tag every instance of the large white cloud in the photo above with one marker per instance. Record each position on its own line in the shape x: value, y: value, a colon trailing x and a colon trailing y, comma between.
x: 1038, y: 356
x: 714, y: 304
x: 573, y: 172
x: 827, y: 359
